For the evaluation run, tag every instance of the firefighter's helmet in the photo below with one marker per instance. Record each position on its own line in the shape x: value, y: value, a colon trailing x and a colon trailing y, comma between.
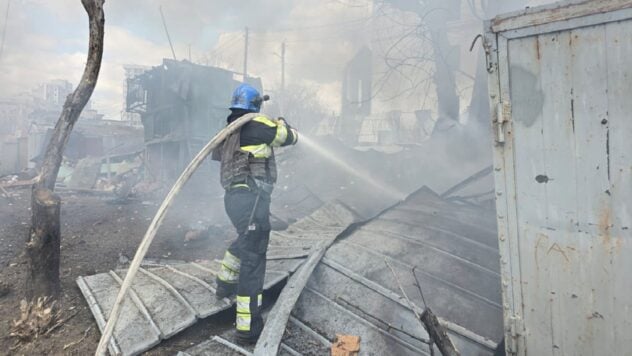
x: 246, y: 97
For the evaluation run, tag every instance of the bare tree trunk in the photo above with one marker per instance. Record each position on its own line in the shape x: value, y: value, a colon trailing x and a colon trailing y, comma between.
x: 446, y: 56
x: 444, y: 79
x: 43, y: 246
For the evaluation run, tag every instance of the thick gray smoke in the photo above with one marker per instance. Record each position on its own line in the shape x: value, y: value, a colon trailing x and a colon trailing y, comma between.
x: 418, y: 69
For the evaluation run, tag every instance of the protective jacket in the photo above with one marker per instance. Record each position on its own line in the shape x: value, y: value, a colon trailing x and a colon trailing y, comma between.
x: 248, y: 171
x: 249, y: 152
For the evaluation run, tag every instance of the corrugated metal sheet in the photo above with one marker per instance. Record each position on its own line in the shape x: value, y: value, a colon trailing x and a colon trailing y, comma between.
x: 561, y: 80
x: 166, y: 299
x: 352, y: 291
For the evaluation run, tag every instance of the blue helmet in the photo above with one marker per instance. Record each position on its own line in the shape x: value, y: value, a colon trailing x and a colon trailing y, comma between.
x: 246, y: 97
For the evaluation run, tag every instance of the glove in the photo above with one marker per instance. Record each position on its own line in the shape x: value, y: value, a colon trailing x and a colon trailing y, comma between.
x: 295, y: 135
x: 282, y: 121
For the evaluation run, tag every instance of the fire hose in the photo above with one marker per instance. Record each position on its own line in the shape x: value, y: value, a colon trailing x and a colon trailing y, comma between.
x: 157, y: 221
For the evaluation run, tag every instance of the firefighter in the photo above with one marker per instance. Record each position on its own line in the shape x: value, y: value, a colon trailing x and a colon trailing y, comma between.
x: 248, y: 173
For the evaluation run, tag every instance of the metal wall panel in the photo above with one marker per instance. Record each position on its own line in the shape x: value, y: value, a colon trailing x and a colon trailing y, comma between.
x: 564, y: 185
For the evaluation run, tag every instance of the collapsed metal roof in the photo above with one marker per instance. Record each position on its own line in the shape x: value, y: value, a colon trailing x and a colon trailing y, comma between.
x: 353, y: 291
x: 168, y: 298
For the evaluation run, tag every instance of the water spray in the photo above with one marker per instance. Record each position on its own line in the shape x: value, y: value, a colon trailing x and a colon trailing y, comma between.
x: 360, y: 174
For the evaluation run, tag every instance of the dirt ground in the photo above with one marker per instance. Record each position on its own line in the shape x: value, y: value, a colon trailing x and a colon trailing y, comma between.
x: 96, y: 231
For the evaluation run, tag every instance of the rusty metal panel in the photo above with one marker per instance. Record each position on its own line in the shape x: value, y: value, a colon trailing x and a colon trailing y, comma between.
x: 564, y: 177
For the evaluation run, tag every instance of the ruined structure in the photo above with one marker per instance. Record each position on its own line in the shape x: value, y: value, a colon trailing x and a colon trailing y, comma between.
x: 181, y: 105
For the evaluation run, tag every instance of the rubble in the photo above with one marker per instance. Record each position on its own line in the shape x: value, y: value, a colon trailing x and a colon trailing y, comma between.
x: 345, y: 345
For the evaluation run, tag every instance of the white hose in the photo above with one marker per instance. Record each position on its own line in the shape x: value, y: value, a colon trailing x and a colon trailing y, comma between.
x: 157, y: 221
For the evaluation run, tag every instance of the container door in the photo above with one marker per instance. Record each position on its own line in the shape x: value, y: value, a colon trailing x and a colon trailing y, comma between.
x: 563, y: 168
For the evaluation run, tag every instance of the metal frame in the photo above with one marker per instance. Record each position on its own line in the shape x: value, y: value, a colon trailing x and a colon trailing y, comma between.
x: 503, y: 173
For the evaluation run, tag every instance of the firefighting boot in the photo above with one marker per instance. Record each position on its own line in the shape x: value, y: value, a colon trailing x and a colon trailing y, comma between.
x: 225, y: 290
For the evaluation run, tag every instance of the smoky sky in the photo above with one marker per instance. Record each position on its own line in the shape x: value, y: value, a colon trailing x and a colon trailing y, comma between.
x: 47, y: 40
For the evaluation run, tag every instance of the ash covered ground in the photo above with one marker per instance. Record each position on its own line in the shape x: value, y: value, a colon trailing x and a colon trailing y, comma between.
x: 101, y: 231
x: 97, y: 234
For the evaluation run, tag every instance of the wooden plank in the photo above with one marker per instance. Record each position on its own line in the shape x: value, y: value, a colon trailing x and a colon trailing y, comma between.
x: 270, y: 339
x: 439, y: 334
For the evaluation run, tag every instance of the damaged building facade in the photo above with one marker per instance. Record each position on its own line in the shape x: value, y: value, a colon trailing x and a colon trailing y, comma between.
x: 182, y: 105
x: 27, y: 121
x: 413, y: 80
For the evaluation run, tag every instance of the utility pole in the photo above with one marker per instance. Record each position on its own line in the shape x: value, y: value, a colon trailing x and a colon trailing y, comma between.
x: 283, y: 67
x: 282, y: 96
x: 246, y: 55
x: 4, y: 30
x: 164, y: 24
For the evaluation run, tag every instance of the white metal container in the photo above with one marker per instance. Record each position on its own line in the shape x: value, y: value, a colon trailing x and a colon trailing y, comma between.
x: 561, y: 92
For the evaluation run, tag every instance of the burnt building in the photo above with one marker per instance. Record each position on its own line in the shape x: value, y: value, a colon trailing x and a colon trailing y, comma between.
x: 182, y: 105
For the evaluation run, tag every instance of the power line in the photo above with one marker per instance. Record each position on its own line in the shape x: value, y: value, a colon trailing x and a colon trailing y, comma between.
x: 246, y: 56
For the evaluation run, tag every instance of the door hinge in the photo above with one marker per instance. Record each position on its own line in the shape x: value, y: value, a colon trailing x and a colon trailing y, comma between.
x: 502, y: 114
x: 515, y: 331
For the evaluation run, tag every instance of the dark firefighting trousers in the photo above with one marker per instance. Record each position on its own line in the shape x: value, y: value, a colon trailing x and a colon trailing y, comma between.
x: 244, y: 262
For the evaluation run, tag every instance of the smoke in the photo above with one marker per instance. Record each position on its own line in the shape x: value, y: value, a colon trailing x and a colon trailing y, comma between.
x: 48, y: 40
